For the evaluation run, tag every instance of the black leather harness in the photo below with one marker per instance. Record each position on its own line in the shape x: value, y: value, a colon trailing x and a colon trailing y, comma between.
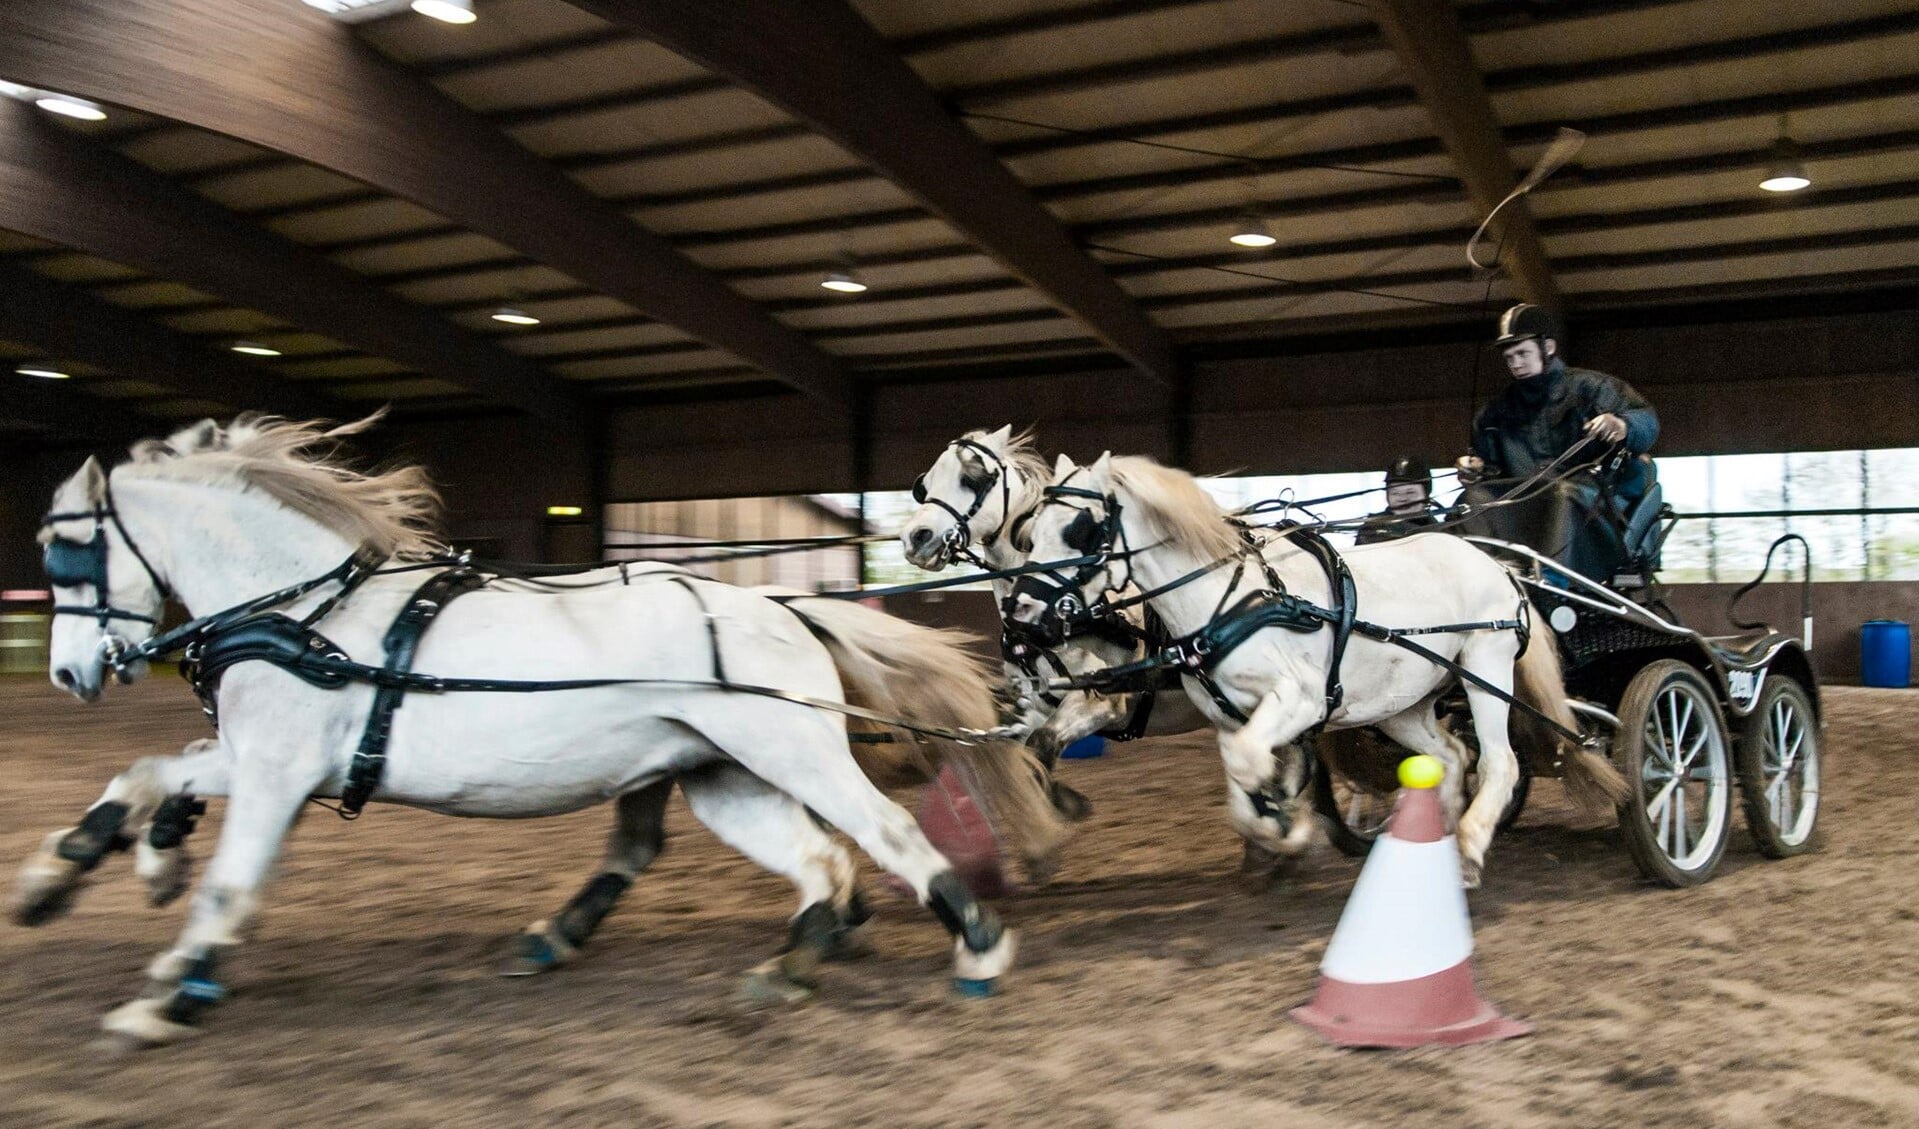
x: 401, y: 642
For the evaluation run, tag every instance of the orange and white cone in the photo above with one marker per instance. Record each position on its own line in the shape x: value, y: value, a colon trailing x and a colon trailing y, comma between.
x: 1399, y: 969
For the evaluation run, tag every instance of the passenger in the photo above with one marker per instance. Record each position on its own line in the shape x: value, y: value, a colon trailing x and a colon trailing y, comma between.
x: 1545, y: 412
x: 1409, y: 502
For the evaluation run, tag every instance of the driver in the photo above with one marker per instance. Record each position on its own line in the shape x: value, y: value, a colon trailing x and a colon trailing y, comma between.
x: 1545, y: 412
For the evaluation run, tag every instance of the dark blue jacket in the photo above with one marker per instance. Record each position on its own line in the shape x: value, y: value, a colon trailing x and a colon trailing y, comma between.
x: 1532, y: 422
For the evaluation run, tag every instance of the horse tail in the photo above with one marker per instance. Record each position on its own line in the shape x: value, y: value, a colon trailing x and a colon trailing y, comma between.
x: 928, y: 676
x: 1590, y: 779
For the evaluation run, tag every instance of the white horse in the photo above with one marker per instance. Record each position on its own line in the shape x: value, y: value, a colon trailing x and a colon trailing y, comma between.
x: 1152, y: 526
x: 218, y: 517
x: 978, y: 498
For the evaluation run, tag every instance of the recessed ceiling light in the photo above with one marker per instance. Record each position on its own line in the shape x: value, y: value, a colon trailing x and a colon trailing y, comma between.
x: 447, y: 11
x: 844, y: 282
x: 1784, y: 173
x: 564, y: 511
x: 1251, y: 232
x: 511, y: 316
x: 43, y: 371
x: 254, y: 349
x: 68, y: 106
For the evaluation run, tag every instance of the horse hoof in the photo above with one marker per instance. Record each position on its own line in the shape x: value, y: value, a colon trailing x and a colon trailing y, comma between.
x: 37, y: 907
x: 974, y: 989
x: 536, y: 953
x: 166, y: 873
x: 142, y: 1023
x: 851, y: 944
x: 768, y: 986
x: 1469, y: 872
x: 1071, y: 803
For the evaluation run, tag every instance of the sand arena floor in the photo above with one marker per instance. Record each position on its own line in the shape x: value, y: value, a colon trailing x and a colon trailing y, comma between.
x: 1151, y: 990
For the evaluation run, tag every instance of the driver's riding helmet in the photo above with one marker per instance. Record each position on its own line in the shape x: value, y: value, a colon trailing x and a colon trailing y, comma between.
x: 1409, y: 470
x: 1526, y: 322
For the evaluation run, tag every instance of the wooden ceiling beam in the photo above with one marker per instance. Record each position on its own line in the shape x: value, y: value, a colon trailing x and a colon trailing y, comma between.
x: 58, y: 185
x: 286, y: 77
x: 823, y: 63
x: 1426, y: 36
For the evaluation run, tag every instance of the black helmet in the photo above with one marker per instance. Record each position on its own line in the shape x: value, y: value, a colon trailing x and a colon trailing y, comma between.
x: 1526, y: 322
x: 1409, y: 468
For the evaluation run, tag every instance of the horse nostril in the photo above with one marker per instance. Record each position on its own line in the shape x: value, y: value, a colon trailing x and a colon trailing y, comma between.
x: 65, y: 678
x: 921, y: 537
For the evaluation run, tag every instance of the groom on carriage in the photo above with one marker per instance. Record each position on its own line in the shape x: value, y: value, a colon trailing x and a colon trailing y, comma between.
x: 1587, y: 522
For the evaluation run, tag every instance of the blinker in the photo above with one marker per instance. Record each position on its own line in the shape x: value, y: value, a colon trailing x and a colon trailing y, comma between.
x: 70, y: 564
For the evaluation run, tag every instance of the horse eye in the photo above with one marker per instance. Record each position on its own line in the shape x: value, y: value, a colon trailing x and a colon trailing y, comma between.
x: 919, y: 489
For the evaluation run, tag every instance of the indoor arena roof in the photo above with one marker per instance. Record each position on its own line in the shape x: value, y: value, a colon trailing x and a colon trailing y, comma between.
x: 1020, y: 185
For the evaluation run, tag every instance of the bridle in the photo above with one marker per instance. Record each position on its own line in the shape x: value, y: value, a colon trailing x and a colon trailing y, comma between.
x: 70, y: 564
x: 959, y: 539
x: 1100, y: 541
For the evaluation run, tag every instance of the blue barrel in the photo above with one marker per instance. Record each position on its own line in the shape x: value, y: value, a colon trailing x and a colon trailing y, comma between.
x: 1885, y: 653
x: 1086, y: 748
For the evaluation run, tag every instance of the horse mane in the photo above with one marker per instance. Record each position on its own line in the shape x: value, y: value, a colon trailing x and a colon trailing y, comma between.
x: 1030, y: 469
x: 303, y: 465
x: 1176, y: 505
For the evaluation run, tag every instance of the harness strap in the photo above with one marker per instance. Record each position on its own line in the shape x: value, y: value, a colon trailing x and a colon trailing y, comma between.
x: 401, y: 642
x: 1345, y: 608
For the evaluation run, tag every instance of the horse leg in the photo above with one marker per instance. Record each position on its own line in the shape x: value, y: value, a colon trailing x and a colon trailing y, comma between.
x: 638, y: 836
x: 1080, y: 715
x: 151, y: 796
x: 1421, y: 732
x: 1491, y: 657
x: 182, y: 984
x: 831, y: 784
x: 1270, y: 805
x: 776, y: 831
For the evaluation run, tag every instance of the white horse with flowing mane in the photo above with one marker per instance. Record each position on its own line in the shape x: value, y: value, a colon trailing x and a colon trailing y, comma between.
x: 217, y: 517
x: 1154, y: 526
x: 978, y: 498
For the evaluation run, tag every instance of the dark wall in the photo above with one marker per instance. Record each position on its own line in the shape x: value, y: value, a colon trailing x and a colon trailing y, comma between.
x: 497, y: 476
x: 1828, y: 382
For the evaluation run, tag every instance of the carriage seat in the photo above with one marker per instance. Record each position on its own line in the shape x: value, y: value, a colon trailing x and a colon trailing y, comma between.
x: 1643, y: 533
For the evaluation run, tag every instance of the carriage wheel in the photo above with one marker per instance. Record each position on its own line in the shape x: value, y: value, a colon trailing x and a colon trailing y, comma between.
x: 1672, y: 750
x: 1778, y: 751
x: 1356, y: 813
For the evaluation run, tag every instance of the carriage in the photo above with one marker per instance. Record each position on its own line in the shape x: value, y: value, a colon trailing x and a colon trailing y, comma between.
x: 1681, y: 714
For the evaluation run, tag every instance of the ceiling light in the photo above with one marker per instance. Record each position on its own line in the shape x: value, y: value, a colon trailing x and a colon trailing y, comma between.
x: 358, y: 11
x: 511, y: 316
x: 1784, y: 173
x: 68, y: 106
x: 1251, y: 232
x: 254, y: 349
x: 42, y: 370
x: 844, y: 282
x: 447, y: 11
x: 564, y: 511
x: 15, y: 90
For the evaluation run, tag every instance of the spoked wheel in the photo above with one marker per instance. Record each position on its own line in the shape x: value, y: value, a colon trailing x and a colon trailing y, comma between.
x: 1673, y: 751
x: 1779, y: 769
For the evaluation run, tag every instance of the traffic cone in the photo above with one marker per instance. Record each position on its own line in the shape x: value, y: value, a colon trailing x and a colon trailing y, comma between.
x: 956, y: 826
x: 1399, y: 969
